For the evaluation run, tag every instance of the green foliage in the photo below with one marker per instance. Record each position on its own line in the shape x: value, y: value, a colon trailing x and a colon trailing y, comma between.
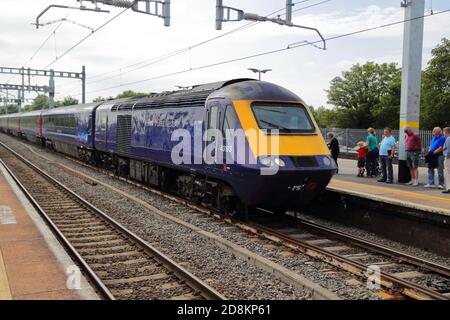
x: 435, y: 105
x: 130, y: 94
x: 12, y: 108
x: 369, y: 95
x: 67, y: 101
x: 325, y: 118
x: 102, y: 99
x: 364, y: 94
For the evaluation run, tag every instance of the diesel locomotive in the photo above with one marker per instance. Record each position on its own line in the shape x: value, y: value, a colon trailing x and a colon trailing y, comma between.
x: 137, y: 137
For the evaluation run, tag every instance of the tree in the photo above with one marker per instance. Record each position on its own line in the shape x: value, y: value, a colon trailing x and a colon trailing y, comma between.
x: 366, y: 95
x: 67, y: 101
x: 41, y: 102
x: 102, y: 99
x: 130, y: 94
x: 12, y: 108
x: 325, y: 118
x: 435, y: 106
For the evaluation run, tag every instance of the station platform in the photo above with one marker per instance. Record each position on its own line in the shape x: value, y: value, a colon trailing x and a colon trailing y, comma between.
x: 33, y: 263
x: 431, y: 200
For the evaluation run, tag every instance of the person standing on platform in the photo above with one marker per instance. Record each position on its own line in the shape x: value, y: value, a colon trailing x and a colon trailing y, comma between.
x: 387, y: 151
x: 372, y: 148
x: 436, y: 158
x: 447, y: 160
x: 333, y: 145
x: 413, y: 146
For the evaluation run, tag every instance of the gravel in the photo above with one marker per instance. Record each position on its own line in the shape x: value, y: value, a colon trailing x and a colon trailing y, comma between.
x: 233, y: 277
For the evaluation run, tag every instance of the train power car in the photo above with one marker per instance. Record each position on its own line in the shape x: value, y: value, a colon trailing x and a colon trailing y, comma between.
x: 140, y: 138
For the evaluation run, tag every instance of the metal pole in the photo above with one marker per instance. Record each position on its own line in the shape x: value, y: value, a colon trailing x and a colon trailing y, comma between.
x: 289, y: 6
x: 51, y: 89
x: 411, y: 77
x: 219, y: 14
x: 22, y: 71
x: 83, y: 85
x: 19, y: 99
x: 166, y: 13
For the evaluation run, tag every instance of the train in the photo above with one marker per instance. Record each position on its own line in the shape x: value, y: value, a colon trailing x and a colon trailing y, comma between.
x: 136, y: 137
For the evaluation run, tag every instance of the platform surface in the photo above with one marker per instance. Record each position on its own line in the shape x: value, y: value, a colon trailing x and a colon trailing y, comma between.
x: 432, y: 200
x: 33, y: 264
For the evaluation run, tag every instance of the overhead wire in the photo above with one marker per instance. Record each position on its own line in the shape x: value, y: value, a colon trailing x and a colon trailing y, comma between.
x: 290, y: 47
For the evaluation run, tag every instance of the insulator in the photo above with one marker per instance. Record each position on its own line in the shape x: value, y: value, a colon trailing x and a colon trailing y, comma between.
x: 121, y: 3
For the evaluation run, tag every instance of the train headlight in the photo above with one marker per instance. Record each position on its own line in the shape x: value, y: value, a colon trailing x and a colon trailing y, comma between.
x: 326, y: 161
x: 272, y: 161
x: 279, y: 162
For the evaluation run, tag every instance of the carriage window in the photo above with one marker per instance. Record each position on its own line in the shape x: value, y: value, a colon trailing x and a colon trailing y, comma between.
x: 286, y: 118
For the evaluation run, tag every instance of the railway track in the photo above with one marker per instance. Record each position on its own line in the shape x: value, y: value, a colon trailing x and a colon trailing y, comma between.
x: 401, y: 274
x: 407, y: 277
x: 411, y: 277
x: 118, y: 263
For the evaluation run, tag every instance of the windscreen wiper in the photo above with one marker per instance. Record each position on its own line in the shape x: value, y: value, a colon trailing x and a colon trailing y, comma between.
x: 276, y: 126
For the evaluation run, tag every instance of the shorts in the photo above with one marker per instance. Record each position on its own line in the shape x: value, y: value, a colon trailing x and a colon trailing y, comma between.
x: 361, y: 163
x: 412, y: 159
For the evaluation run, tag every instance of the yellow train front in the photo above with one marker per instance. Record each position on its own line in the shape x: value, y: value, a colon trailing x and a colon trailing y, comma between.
x: 273, y: 154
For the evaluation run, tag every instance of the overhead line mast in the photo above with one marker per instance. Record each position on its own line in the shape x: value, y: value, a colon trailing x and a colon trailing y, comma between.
x: 411, y: 77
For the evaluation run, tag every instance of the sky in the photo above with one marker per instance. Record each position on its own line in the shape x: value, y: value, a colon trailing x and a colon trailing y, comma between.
x: 134, y: 37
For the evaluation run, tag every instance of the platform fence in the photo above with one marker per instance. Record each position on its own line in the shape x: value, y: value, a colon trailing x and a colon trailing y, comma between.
x: 348, y: 138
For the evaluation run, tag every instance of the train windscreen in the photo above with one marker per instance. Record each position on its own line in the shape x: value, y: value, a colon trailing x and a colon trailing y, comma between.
x: 286, y: 118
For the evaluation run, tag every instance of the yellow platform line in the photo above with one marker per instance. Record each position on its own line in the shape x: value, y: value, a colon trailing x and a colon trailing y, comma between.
x: 408, y: 193
x: 5, y: 292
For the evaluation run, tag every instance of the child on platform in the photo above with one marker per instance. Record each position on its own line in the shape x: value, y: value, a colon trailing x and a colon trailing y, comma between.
x: 362, y: 153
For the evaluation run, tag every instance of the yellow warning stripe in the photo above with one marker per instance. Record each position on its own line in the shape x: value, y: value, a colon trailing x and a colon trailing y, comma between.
x: 336, y: 183
x: 411, y: 124
x: 5, y: 292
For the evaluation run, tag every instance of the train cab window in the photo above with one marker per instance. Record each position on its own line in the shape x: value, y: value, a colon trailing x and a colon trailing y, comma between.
x: 286, y: 118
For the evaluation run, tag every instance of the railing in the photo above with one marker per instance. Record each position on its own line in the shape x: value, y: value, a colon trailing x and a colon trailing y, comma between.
x: 348, y: 138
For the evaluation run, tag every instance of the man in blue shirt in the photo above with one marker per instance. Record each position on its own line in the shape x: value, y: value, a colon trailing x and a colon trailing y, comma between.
x: 387, y: 151
x: 436, y: 158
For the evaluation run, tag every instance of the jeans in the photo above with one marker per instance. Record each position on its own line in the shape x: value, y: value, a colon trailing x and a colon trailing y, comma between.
x: 440, y: 169
x: 386, y: 163
x: 371, y: 162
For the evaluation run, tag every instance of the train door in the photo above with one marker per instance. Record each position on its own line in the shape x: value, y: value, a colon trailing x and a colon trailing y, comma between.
x: 106, y: 133
x: 214, y: 139
x: 39, y: 125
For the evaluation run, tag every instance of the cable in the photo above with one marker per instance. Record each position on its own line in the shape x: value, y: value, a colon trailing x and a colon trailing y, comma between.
x: 89, y: 35
x: 41, y: 46
x: 155, y: 60
x: 272, y: 51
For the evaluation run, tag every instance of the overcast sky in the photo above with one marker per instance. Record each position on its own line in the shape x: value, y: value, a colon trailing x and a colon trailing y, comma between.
x: 135, y: 37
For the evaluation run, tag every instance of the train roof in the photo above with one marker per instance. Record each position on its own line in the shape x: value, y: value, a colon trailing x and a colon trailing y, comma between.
x: 89, y: 107
x: 31, y: 113
x: 255, y: 90
x: 9, y: 115
x: 235, y: 89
